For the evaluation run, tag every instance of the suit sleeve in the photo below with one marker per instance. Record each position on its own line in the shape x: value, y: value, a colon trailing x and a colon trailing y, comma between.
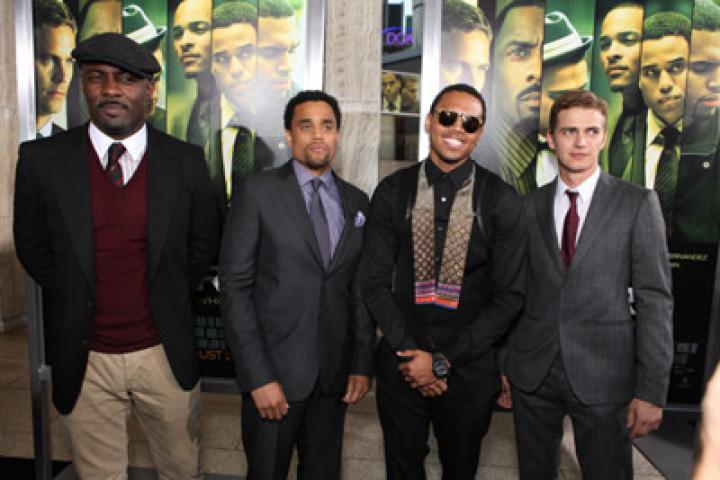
x: 507, y: 280
x: 651, y: 282
x: 363, y: 327
x: 377, y: 265
x: 32, y: 241
x: 238, y: 267
x: 203, y: 235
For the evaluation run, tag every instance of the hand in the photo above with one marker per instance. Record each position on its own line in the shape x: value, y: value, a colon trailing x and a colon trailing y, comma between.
x: 270, y: 401
x: 417, y: 371
x: 357, y: 387
x: 708, y: 465
x: 505, y: 398
x: 643, y: 417
x: 434, y: 389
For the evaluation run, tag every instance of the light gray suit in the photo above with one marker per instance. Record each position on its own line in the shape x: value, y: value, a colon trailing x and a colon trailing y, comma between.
x: 577, y: 335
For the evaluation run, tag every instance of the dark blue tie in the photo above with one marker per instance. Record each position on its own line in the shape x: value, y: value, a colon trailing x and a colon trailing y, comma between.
x: 319, y: 221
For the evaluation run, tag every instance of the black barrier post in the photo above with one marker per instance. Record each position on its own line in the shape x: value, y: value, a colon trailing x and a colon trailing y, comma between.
x: 39, y: 380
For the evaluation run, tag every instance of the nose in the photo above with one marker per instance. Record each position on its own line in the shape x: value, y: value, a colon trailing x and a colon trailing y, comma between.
x: 665, y: 82
x: 534, y: 67
x: 714, y: 81
x: 110, y: 86
x: 613, y: 57
x: 236, y: 68
x: 478, y: 78
x: 61, y: 71
x: 283, y: 63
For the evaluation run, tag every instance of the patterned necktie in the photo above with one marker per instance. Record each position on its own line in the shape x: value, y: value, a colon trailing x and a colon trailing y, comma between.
x: 319, y: 221
x: 112, y: 169
x: 243, y: 156
x: 570, y: 228
x: 667, y: 173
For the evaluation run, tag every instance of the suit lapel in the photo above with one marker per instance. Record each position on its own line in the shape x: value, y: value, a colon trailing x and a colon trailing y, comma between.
x: 72, y: 183
x: 348, y: 223
x: 163, y: 183
x: 601, y: 210
x: 294, y: 200
x: 545, y: 216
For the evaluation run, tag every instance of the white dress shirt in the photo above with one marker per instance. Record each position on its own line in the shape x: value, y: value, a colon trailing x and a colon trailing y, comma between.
x: 562, y: 203
x: 135, y: 146
x: 546, y: 168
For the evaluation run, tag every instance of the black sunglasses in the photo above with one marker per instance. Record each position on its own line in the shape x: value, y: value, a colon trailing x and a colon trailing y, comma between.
x: 470, y: 123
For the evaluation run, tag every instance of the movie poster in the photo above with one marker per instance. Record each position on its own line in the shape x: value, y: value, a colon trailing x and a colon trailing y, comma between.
x: 228, y: 69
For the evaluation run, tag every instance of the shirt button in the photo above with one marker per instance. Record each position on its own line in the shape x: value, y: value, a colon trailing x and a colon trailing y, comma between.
x: 443, y: 199
x: 440, y: 229
x: 706, y: 165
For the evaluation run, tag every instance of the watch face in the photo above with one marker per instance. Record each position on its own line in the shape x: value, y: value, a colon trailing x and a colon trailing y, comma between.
x: 439, y: 366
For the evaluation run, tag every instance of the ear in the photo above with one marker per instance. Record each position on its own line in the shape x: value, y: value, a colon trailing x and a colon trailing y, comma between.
x: 288, y: 138
x: 551, y: 139
x: 428, y: 121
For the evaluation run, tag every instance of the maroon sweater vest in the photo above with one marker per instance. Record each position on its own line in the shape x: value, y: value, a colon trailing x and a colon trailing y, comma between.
x: 122, y: 320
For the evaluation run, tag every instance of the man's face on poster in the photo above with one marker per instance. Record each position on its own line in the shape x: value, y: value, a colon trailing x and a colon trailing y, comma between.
x: 191, y: 36
x: 518, y: 63
x: 53, y: 67
x: 465, y: 57
x: 102, y: 16
x: 233, y: 62
x: 703, y: 79
x: 390, y: 86
x: 558, y: 79
x: 620, y: 38
x: 409, y: 91
x: 276, y: 44
x: 663, y: 73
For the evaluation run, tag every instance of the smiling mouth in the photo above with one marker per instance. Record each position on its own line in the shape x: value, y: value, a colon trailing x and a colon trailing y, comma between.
x: 453, y: 143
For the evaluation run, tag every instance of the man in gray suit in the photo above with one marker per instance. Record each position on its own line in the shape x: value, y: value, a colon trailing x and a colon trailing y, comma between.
x: 302, y: 340
x: 577, y: 348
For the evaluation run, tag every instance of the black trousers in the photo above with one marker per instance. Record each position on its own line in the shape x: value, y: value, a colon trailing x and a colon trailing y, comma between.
x: 601, y: 436
x: 459, y: 418
x: 314, y: 424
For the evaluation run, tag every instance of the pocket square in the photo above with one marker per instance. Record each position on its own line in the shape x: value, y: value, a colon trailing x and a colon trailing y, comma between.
x: 359, y: 219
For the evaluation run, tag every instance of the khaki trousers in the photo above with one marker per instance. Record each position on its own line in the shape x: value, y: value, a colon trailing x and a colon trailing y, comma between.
x: 142, y: 383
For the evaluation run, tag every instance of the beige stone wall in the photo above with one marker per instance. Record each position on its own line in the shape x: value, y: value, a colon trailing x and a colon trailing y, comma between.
x: 353, y: 54
x: 12, y: 276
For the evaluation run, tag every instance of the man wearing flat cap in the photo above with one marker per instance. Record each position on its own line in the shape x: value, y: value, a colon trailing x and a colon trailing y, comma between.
x: 116, y: 222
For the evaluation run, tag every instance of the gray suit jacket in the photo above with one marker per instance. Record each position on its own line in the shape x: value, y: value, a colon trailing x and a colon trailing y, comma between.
x: 610, y: 355
x: 286, y: 318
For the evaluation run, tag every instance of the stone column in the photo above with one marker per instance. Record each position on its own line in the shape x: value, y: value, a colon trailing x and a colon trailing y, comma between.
x: 12, y: 276
x: 353, y: 53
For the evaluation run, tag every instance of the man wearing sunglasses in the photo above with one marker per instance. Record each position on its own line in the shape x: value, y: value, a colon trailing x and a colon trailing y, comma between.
x: 442, y: 276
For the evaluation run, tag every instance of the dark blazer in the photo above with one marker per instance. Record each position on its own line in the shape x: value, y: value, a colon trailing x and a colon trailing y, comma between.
x: 286, y: 318
x: 493, y: 285
x: 583, y: 314
x: 54, y: 241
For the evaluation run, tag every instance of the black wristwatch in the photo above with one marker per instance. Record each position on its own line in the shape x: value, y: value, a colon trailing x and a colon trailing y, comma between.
x: 440, y: 365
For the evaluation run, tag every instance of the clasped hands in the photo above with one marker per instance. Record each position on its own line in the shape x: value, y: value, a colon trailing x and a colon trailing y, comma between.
x: 418, y: 372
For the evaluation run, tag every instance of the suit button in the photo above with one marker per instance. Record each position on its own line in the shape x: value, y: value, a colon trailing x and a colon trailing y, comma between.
x: 84, y: 342
x: 91, y: 304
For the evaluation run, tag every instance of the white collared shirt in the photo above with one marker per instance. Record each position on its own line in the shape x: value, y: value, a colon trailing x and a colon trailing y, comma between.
x: 562, y: 203
x: 46, y: 130
x: 653, y: 150
x: 135, y: 146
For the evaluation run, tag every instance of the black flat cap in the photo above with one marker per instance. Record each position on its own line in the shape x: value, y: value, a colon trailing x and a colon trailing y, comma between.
x: 119, y: 51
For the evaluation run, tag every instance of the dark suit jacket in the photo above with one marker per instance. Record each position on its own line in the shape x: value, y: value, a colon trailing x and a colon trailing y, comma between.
x: 54, y: 241
x: 492, y: 290
x: 286, y: 318
x: 583, y: 314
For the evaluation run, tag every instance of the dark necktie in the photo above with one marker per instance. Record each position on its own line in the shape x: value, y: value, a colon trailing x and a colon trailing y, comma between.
x: 112, y: 169
x: 243, y: 157
x: 319, y: 221
x: 570, y: 228
x: 667, y: 173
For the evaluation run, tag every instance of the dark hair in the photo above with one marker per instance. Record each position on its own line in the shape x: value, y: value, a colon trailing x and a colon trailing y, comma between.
x: 706, y: 16
x: 273, y: 8
x: 311, y: 96
x: 465, y: 88
x: 456, y: 14
x: 500, y: 20
x: 577, y: 98
x: 230, y: 13
x: 52, y: 13
x: 663, y: 24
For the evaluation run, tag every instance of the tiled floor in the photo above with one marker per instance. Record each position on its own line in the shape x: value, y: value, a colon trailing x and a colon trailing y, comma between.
x: 221, y: 445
